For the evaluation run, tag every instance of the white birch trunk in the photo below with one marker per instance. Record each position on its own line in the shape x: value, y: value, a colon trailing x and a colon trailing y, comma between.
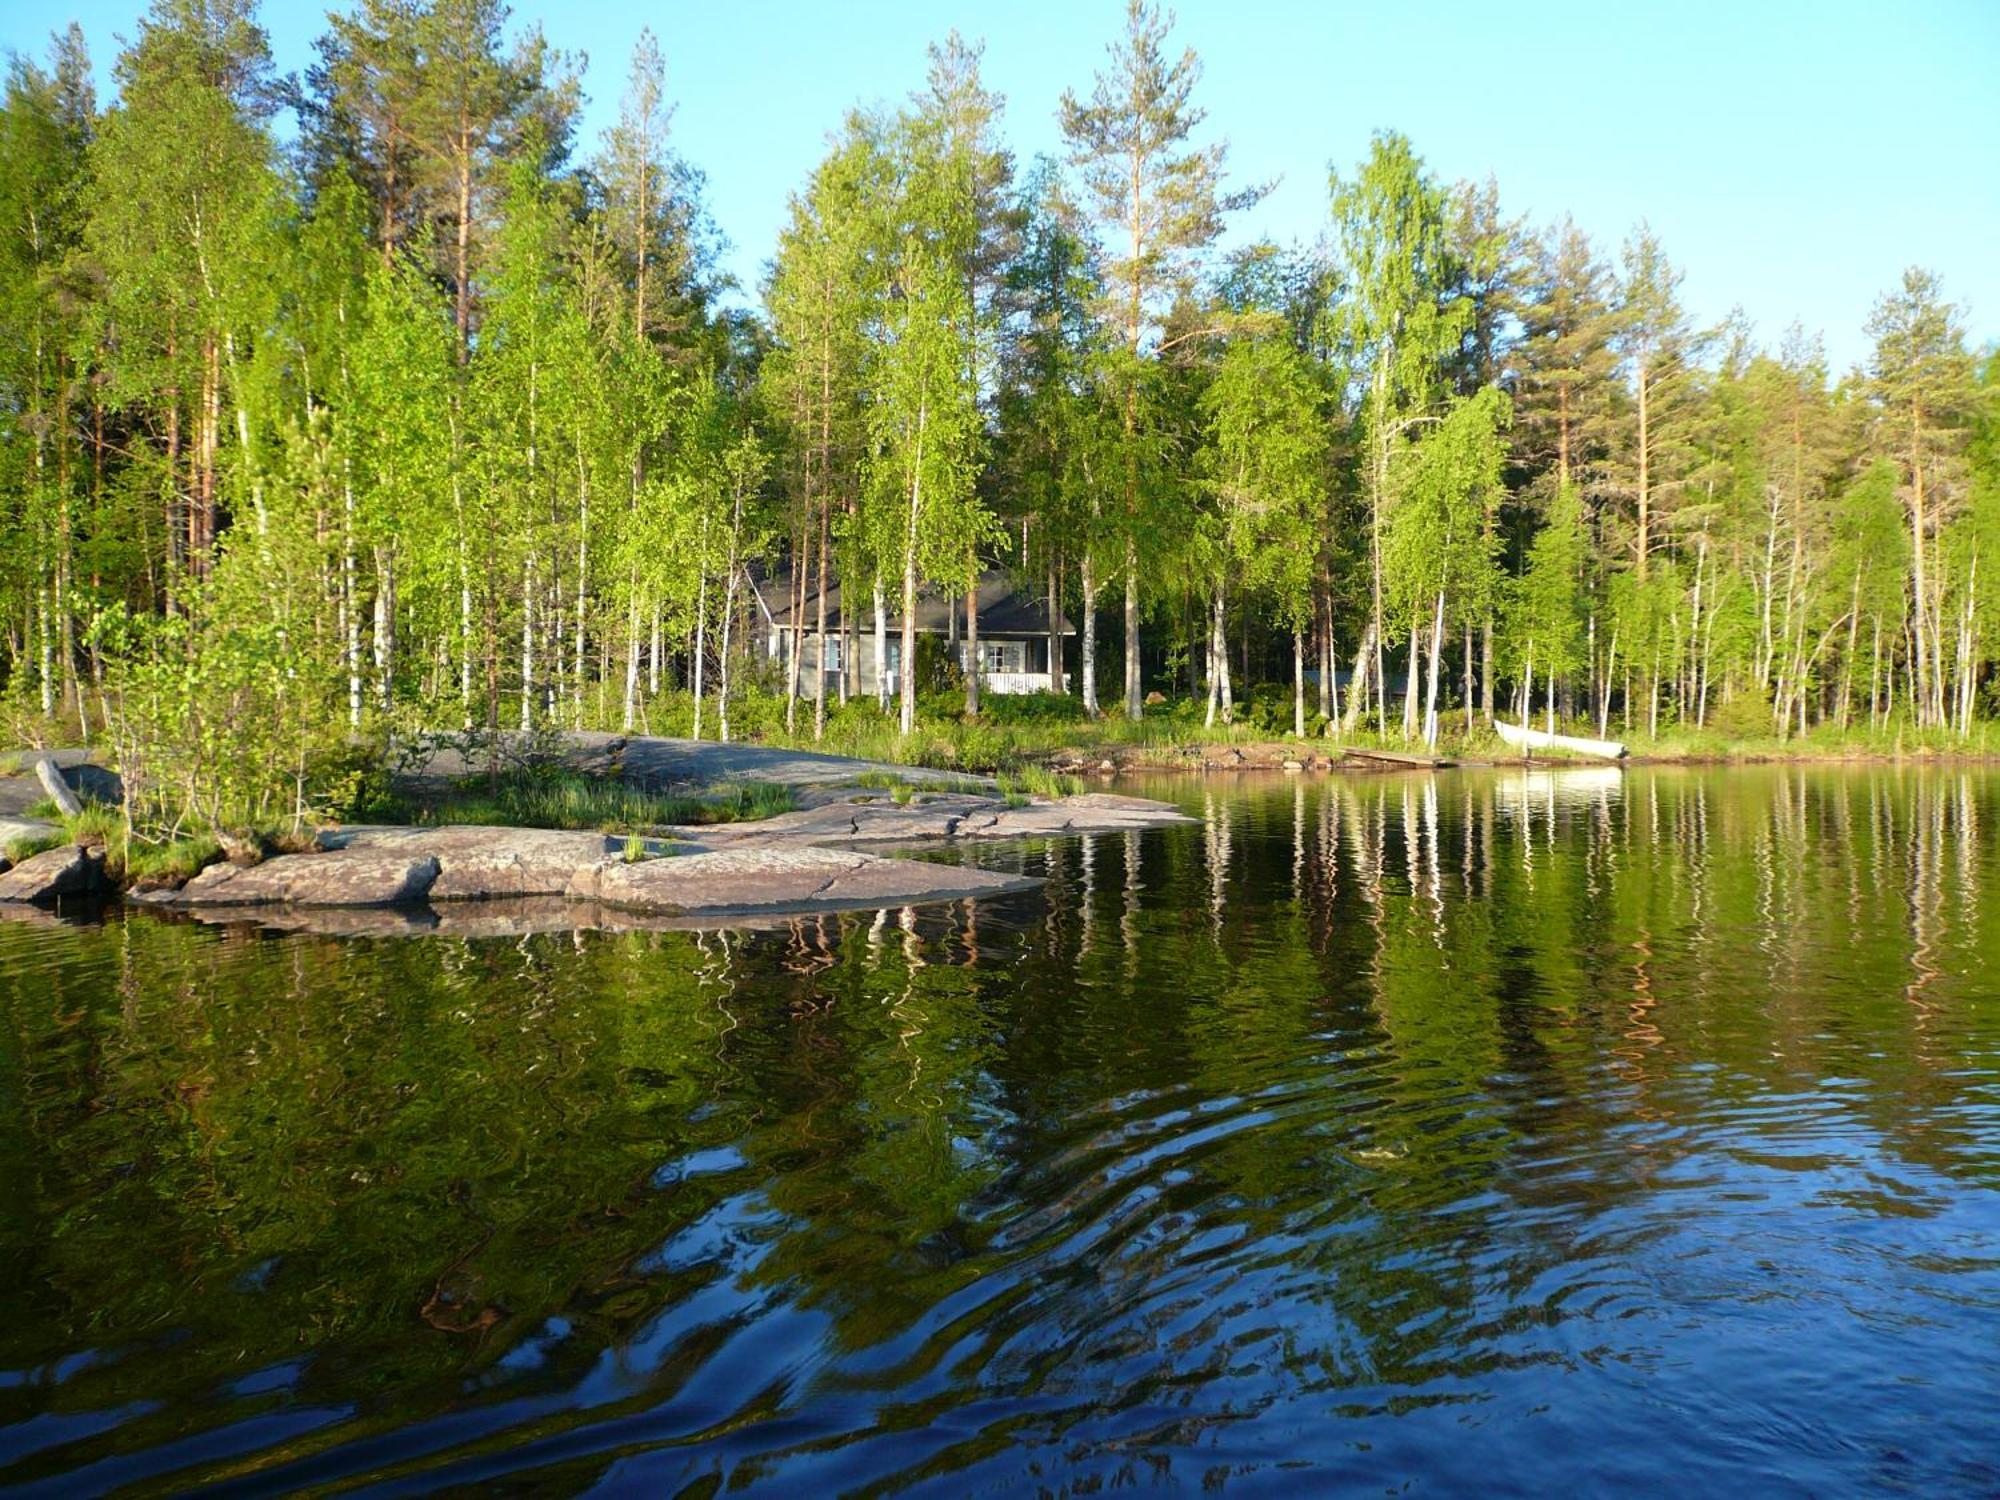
x: 1437, y: 658
x: 528, y: 645
x: 1299, y: 683
x: 881, y: 646
x: 1087, y: 666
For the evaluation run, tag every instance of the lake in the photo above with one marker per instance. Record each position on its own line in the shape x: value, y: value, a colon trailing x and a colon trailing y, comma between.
x: 1493, y: 1131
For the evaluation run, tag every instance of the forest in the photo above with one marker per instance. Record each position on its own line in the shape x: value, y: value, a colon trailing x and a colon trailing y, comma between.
x: 370, y: 402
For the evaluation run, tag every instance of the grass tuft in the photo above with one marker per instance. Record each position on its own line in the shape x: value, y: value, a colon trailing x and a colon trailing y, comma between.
x: 28, y: 848
x: 572, y: 800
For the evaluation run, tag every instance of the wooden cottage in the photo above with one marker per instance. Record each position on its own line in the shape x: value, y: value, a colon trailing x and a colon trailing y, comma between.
x: 1016, y: 634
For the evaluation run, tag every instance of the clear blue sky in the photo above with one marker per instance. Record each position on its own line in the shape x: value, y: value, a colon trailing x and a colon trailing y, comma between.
x: 1794, y: 157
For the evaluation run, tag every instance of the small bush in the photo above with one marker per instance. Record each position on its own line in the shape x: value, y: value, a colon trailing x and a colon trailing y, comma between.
x: 1747, y: 716
x: 1032, y: 708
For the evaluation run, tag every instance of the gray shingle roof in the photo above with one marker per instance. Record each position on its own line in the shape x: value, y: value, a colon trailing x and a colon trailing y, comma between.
x: 1003, y: 610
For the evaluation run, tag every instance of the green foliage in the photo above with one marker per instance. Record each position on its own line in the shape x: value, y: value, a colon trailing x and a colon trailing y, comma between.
x: 415, y: 424
x: 545, y: 797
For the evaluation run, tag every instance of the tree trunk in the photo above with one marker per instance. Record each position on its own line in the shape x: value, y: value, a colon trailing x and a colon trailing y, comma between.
x: 1645, y: 540
x: 1920, y: 603
x: 1056, y: 683
x: 462, y: 262
x: 528, y: 644
x: 385, y: 626
x: 631, y: 706
x: 1416, y: 672
x: 1610, y: 671
x: 1367, y: 658
x: 582, y: 592
x: 1223, y: 657
x: 819, y: 629
x: 1217, y: 666
x: 1135, y: 705
x: 972, y: 647
x: 700, y: 663
x: 653, y: 654
x: 881, y: 646
x: 907, y: 719
x: 801, y: 575
x: 1087, y: 663
x: 1468, y: 678
x: 350, y: 608
x: 1437, y: 659
x: 1299, y: 683
x: 1333, y: 678
x: 728, y: 616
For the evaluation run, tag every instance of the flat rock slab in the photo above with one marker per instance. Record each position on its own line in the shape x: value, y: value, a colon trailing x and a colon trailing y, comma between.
x: 506, y: 917
x: 477, y: 863
x: 934, y: 818
x: 875, y: 820
x: 69, y: 870
x: 774, y: 878
x: 341, y: 877
x: 799, y: 862
x: 1090, y: 813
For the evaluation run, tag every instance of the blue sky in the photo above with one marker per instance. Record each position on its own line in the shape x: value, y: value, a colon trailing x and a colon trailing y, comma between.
x: 1793, y: 157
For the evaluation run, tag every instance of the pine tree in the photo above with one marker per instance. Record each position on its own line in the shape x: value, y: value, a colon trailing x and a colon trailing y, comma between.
x: 1658, y: 350
x: 1920, y: 382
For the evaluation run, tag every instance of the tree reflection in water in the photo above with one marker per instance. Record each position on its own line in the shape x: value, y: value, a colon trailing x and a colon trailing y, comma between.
x: 1399, y: 1127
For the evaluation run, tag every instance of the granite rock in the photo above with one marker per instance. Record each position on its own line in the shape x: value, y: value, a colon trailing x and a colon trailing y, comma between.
x: 67, y: 870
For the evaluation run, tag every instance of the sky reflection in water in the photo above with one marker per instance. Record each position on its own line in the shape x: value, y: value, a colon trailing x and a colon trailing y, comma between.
x: 1493, y: 1131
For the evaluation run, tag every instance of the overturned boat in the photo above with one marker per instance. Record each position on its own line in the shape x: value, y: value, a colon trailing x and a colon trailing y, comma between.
x: 1527, y: 741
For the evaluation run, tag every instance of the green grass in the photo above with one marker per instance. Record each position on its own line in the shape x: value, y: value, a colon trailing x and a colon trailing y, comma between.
x: 127, y: 858
x: 27, y: 848
x: 175, y: 862
x: 902, y: 787
x: 1029, y: 781
x: 570, y: 800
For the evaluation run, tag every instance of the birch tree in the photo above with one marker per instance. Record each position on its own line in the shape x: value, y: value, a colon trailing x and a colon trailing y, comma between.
x: 1160, y: 204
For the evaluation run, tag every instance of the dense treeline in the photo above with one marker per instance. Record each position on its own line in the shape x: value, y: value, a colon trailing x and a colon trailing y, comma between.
x: 435, y: 416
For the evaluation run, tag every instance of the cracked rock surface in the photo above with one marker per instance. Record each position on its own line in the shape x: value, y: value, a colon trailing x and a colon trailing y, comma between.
x: 473, y: 879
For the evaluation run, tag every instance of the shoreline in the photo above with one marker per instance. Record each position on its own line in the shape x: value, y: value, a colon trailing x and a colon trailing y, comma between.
x: 1223, y: 757
x: 834, y: 850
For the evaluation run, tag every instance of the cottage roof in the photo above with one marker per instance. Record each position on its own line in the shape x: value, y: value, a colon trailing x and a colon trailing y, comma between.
x: 1003, y: 609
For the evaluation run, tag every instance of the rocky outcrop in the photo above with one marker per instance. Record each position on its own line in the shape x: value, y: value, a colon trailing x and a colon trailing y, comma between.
x: 69, y: 870
x: 482, y: 863
x: 939, y: 817
x: 340, y: 877
x: 403, y: 867
x: 776, y: 877
x: 475, y: 880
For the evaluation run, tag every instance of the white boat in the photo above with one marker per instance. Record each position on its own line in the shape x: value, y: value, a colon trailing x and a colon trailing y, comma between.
x: 1529, y: 740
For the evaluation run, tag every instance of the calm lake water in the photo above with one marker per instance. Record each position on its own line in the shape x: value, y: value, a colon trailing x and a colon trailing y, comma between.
x: 1493, y: 1132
